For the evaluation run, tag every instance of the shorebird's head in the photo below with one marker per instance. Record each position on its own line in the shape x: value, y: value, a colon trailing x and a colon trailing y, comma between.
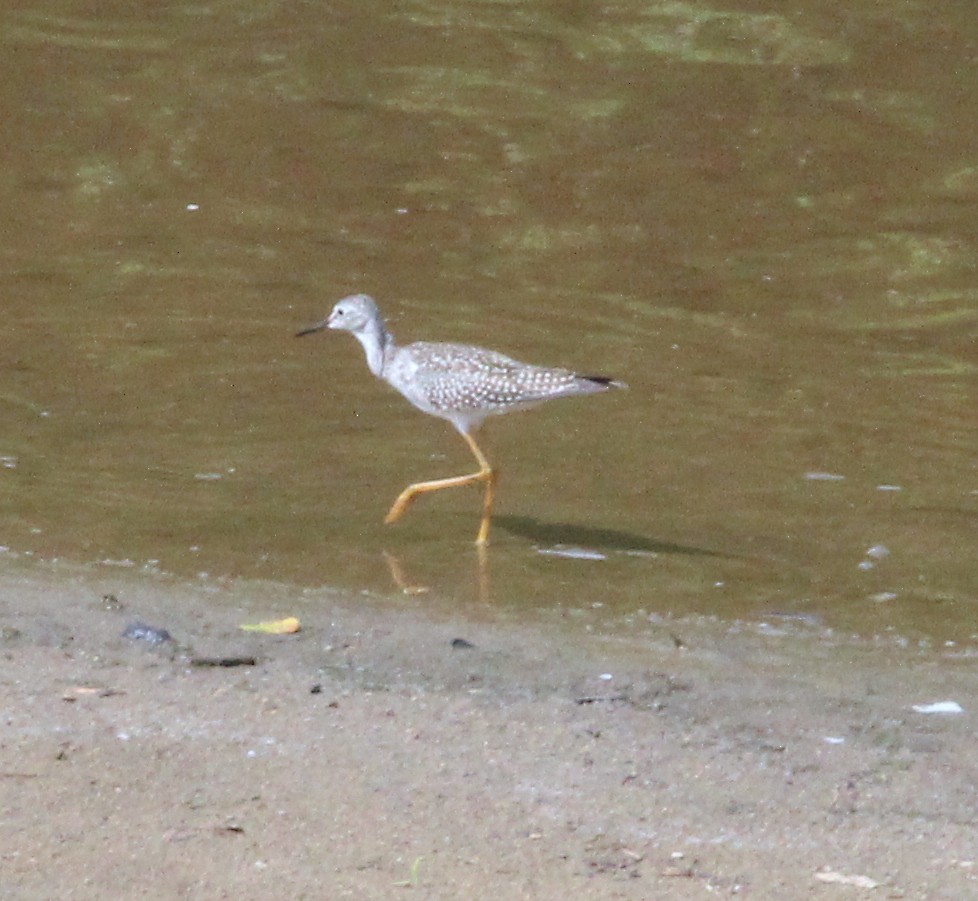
x: 356, y: 313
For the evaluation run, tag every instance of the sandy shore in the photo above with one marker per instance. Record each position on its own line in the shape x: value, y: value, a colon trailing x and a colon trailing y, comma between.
x: 371, y: 755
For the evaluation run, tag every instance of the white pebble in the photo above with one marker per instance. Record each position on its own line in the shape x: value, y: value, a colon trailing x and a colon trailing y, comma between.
x: 939, y: 707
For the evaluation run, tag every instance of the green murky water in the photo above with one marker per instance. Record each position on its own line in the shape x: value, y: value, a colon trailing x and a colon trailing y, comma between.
x: 763, y: 221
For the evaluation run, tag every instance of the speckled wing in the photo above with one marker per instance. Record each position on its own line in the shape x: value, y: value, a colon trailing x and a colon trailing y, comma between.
x: 466, y: 384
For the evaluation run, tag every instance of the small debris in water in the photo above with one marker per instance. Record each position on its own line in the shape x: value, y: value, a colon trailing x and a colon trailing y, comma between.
x: 139, y: 631
x: 876, y: 552
x: 834, y: 740
x: 939, y: 707
x: 889, y: 488
x: 573, y: 553
x: 461, y: 643
x: 882, y: 597
x: 208, y: 476
x: 824, y: 477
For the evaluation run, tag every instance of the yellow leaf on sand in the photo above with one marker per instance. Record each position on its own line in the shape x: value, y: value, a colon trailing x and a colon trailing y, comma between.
x: 274, y: 626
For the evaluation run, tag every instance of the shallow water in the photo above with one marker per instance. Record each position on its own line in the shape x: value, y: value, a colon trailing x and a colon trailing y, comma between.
x: 763, y: 223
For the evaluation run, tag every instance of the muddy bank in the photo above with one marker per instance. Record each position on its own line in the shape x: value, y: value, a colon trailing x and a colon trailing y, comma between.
x: 374, y: 754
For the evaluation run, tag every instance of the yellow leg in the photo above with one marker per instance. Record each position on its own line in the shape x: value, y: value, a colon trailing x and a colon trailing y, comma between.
x: 485, y: 474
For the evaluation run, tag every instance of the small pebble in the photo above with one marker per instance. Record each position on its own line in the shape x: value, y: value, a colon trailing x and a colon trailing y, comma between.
x: 142, y: 632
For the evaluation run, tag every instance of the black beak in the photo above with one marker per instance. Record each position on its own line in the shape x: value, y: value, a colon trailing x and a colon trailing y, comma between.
x: 318, y: 327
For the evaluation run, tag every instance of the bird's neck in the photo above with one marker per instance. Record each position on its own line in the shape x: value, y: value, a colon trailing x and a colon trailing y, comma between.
x: 378, y: 345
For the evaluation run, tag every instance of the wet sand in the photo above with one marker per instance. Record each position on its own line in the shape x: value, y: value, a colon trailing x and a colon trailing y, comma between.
x: 372, y: 755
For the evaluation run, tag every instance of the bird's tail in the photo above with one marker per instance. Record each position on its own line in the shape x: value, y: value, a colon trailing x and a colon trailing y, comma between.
x: 604, y: 381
